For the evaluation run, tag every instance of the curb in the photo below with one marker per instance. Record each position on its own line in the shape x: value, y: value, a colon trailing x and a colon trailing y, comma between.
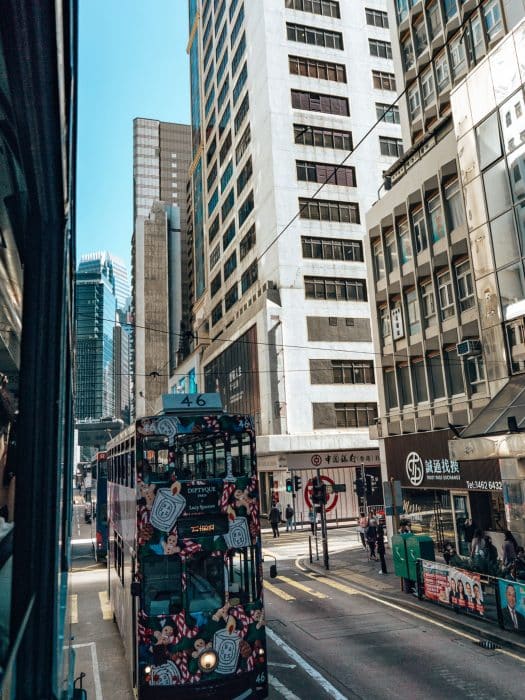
x: 433, y: 612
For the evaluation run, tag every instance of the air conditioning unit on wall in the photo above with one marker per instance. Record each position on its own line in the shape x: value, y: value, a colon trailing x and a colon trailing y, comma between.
x: 468, y: 348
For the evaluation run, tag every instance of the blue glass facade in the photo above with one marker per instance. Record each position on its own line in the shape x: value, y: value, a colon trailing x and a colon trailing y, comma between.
x: 198, y: 227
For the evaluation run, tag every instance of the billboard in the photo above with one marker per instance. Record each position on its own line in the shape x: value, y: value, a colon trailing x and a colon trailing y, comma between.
x: 512, y: 605
x: 456, y: 588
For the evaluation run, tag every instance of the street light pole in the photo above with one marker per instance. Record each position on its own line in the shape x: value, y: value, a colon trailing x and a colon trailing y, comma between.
x: 324, y: 534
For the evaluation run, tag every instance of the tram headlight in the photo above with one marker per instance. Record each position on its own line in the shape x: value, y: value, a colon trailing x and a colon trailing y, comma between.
x: 208, y: 661
x: 147, y: 670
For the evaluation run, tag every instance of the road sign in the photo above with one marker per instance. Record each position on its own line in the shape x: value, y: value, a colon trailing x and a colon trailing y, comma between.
x: 339, y: 488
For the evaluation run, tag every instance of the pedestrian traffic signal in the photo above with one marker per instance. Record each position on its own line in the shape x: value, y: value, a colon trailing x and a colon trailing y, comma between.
x: 318, y: 491
x: 298, y: 482
x: 359, y: 487
x: 289, y: 485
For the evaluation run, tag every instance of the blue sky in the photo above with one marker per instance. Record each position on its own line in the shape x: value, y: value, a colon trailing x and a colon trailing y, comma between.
x: 132, y: 63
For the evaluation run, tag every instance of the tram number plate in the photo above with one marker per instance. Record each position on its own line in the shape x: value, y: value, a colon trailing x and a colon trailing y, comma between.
x: 192, y: 403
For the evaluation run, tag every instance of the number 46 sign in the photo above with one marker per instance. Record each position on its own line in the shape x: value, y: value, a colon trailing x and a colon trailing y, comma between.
x: 192, y: 404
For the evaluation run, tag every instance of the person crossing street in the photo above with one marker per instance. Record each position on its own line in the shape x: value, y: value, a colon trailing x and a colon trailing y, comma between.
x: 288, y: 514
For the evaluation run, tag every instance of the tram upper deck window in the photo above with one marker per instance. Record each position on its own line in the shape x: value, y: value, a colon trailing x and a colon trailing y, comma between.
x: 162, y: 585
x: 155, y: 455
x: 204, y: 584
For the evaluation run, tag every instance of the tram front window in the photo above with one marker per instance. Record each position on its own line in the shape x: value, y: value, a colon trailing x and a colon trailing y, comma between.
x: 162, y: 585
x: 205, y: 584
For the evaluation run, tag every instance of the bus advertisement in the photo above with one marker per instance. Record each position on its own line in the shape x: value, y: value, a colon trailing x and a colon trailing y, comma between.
x: 184, y: 557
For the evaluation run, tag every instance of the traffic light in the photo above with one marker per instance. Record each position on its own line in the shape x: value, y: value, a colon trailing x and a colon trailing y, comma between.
x: 369, y: 485
x: 359, y: 487
x: 318, y: 491
x: 289, y: 485
x: 298, y: 482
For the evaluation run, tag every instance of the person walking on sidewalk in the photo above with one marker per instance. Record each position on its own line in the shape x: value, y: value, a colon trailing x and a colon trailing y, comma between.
x: 371, y: 538
x: 381, y: 547
x: 288, y: 514
x: 311, y: 518
x: 275, y: 519
x: 362, y: 524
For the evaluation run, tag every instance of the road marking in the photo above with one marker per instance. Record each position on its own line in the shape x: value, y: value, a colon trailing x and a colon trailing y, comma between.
x: 302, y: 587
x: 105, y: 606
x: 73, y: 599
x: 282, y: 689
x: 388, y: 604
x: 86, y: 540
x: 335, y: 584
x: 277, y: 665
x: 96, y: 670
x: 310, y: 670
x: 282, y: 594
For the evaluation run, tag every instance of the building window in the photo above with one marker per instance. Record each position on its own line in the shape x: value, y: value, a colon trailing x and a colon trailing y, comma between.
x: 493, y: 19
x: 392, y: 262
x: 223, y: 92
x: 451, y: 9
x: 315, y: 102
x: 387, y: 113
x: 233, y: 7
x: 231, y: 297
x: 211, y: 151
x: 243, y: 144
x: 352, y: 371
x: 224, y: 120
x: 414, y: 323
x: 239, y: 85
x: 407, y: 54
x: 420, y: 37
x: 402, y: 8
x: 380, y: 49
x: 428, y: 304
x: 476, y: 373
x: 244, y: 176
x: 419, y: 383
x: 220, y: 43
x: 238, y: 55
x: 386, y: 327
x: 214, y: 228
x: 226, y: 176
x: 403, y: 377
x: 389, y: 383
x: 332, y: 249
x: 241, y: 113
x: 322, y: 70
x: 214, y: 256
x: 435, y: 215
x: 316, y: 37
x: 229, y: 235
x: 376, y: 18
x: 379, y: 261
x: 212, y: 203
x: 414, y: 101
x: 230, y: 265
x: 453, y: 373
x: 390, y: 147
x: 247, y: 242
x: 435, y: 376
x: 355, y: 415
x: 442, y: 72
x: 237, y: 26
x: 405, y: 246
x: 427, y: 88
x: 454, y: 204
x: 434, y: 19
x: 446, y: 296
x: 328, y: 8
x: 465, y: 286
x: 245, y: 209
x: 420, y: 229
x: 212, y: 176
x: 225, y: 148
x: 319, y: 136
x: 458, y: 59
x: 249, y: 277
x: 325, y: 210
x: 325, y: 172
x: 383, y: 81
x: 333, y: 288
x: 215, y: 284
x: 216, y: 313
x: 515, y: 332
x: 228, y: 204
x: 476, y: 42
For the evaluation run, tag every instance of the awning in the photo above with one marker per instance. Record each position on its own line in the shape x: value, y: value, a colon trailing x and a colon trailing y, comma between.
x: 489, y: 436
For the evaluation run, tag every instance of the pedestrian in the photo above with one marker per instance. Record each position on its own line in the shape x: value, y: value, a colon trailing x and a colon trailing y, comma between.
x: 469, y: 530
x: 477, y: 544
x: 381, y: 548
x: 491, y: 553
x: 510, y: 547
x: 275, y: 519
x: 280, y: 509
x: 362, y: 524
x: 371, y: 538
x: 311, y: 518
x: 288, y: 514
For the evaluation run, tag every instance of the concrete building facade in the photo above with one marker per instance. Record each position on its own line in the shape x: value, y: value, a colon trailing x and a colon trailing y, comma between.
x: 281, y: 92
x: 438, y: 334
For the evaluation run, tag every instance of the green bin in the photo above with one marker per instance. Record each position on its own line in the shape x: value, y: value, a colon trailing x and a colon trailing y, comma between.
x: 418, y: 547
x: 399, y: 555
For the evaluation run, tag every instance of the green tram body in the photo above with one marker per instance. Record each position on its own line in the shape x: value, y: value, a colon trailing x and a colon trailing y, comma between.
x: 184, y: 557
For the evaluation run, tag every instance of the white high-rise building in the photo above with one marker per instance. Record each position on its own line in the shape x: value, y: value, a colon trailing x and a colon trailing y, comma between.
x: 282, y: 90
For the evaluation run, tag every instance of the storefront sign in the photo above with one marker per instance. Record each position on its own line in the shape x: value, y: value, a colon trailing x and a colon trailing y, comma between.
x: 343, y: 458
x: 422, y: 460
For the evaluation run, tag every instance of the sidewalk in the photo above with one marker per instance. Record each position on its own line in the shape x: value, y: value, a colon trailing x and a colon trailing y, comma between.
x: 353, y: 568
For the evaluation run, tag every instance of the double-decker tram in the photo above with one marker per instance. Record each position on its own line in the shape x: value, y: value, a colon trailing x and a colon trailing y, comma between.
x: 184, y: 556
x: 99, y: 503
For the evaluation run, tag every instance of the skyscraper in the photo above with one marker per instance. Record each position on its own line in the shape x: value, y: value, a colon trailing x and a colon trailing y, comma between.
x: 160, y: 297
x: 281, y: 92
x: 95, y: 309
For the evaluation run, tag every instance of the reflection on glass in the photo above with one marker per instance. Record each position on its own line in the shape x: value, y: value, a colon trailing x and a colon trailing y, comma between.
x: 488, y: 141
x: 512, y: 290
x: 512, y: 117
x: 497, y: 190
x: 504, y: 239
x: 205, y: 584
x: 517, y: 174
x: 162, y: 586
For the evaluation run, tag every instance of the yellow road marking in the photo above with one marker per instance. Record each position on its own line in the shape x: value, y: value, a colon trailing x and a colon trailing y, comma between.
x: 107, y: 614
x: 282, y: 594
x: 302, y: 587
x: 73, y: 600
x: 428, y: 620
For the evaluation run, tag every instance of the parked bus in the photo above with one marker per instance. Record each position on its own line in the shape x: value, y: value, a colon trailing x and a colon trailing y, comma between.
x: 99, y: 504
x: 184, y: 557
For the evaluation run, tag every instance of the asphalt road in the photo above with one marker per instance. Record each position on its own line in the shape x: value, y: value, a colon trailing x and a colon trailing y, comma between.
x: 325, y: 640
